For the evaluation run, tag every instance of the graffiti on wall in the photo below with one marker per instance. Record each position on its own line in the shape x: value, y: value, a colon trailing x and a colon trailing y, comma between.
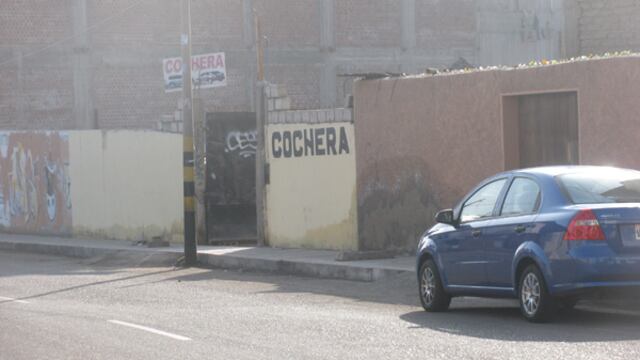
x: 35, y: 185
x: 244, y: 142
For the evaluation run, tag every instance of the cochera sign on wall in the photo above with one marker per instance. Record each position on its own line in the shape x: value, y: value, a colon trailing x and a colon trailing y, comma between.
x: 207, y: 71
x: 323, y: 141
x: 307, y: 161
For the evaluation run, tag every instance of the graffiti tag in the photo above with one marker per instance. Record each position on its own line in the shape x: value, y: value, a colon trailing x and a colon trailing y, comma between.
x: 245, y: 142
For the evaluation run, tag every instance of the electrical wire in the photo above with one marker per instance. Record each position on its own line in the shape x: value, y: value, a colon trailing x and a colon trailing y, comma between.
x: 69, y: 38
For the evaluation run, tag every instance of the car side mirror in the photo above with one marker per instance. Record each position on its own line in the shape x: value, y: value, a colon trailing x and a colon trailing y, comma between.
x: 445, y: 217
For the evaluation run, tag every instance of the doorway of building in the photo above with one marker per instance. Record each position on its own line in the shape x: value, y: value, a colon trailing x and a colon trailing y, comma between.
x: 230, y: 189
x: 541, y: 129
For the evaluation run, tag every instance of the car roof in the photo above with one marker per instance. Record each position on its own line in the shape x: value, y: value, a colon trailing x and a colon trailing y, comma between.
x: 566, y: 169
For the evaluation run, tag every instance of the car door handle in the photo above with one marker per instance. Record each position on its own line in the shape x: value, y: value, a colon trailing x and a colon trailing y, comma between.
x: 476, y: 233
x: 520, y: 228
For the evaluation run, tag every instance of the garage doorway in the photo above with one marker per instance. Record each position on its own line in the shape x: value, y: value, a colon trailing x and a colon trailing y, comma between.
x: 540, y: 129
x: 230, y: 190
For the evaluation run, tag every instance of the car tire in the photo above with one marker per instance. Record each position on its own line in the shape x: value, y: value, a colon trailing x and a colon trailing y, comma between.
x: 432, y: 294
x: 536, y: 304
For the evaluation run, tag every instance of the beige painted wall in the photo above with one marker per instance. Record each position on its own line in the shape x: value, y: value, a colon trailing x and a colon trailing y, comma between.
x: 311, y: 199
x: 126, y: 184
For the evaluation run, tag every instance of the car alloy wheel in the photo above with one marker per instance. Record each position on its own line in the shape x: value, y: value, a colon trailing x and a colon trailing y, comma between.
x: 536, y: 304
x: 531, y: 294
x: 432, y: 294
x: 428, y: 286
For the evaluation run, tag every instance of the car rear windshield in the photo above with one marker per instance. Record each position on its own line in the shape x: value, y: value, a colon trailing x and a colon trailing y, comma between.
x: 602, y: 186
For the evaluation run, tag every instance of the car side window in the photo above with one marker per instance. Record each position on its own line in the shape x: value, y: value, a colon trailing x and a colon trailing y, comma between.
x: 523, y: 198
x: 481, y: 204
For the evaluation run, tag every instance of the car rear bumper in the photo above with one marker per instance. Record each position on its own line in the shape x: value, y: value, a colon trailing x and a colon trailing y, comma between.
x: 599, y: 290
x: 595, y: 267
x: 594, y: 274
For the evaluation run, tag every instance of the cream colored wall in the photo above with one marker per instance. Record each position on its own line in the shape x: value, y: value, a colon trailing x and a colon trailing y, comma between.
x: 126, y: 184
x: 311, y: 200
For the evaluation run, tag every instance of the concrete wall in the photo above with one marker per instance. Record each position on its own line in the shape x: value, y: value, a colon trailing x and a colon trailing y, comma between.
x: 128, y: 184
x: 113, y: 184
x: 519, y: 31
x: 311, y: 197
x: 423, y: 142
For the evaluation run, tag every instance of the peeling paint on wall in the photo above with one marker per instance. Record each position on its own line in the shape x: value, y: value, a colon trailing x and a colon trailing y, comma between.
x: 396, y: 204
x: 173, y: 233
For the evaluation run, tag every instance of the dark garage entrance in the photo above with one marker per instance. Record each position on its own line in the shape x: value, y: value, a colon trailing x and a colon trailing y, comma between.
x: 540, y: 129
x: 230, y: 190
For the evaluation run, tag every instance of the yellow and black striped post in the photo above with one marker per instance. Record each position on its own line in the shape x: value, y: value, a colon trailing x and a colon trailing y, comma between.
x: 190, y: 250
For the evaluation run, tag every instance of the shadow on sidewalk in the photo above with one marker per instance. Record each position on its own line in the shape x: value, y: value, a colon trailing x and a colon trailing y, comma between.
x: 398, y: 290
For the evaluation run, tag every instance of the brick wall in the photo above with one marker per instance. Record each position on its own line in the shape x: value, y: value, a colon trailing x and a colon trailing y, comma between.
x: 35, y: 84
x: 290, y: 24
x: 365, y: 23
x: 443, y: 25
x: 609, y: 25
x: 34, y: 22
x: 309, y: 43
x: 128, y: 53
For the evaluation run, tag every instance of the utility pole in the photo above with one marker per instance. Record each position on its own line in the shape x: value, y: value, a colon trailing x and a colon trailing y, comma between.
x: 190, y: 250
x: 83, y: 107
x: 260, y: 116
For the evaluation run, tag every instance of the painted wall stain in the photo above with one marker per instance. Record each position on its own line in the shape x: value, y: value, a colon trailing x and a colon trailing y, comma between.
x: 396, y: 204
x: 172, y: 233
x: 341, y: 236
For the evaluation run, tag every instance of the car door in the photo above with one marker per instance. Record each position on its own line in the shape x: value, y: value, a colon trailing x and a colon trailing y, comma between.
x: 514, y: 225
x: 462, y: 252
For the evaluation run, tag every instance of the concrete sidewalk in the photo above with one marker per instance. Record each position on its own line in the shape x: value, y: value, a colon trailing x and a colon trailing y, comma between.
x: 317, y: 263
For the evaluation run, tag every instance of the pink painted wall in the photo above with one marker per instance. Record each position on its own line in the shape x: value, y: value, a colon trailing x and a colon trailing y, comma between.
x: 423, y: 142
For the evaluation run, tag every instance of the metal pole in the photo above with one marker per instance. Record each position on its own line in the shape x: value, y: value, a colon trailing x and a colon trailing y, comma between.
x: 190, y: 250
x: 259, y: 49
x: 260, y: 162
x: 260, y: 116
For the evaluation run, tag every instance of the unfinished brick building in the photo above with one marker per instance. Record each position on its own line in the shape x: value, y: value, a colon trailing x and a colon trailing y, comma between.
x: 77, y: 64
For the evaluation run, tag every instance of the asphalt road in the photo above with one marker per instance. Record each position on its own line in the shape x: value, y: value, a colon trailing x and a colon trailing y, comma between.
x: 59, y: 308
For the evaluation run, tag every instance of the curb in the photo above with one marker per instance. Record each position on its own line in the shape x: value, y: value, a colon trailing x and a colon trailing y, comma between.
x: 300, y: 268
x: 133, y: 257
x: 143, y: 257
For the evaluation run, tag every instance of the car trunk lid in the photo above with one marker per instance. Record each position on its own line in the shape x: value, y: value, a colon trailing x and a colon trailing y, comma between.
x: 620, y: 224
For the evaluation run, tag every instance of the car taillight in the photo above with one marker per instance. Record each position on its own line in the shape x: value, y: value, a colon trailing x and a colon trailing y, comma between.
x: 584, y: 226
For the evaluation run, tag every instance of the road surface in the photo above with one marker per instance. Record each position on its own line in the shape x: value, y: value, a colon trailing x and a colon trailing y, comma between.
x: 60, y: 308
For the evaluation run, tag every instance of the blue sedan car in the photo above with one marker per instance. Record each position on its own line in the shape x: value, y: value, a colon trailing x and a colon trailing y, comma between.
x: 547, y: 236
